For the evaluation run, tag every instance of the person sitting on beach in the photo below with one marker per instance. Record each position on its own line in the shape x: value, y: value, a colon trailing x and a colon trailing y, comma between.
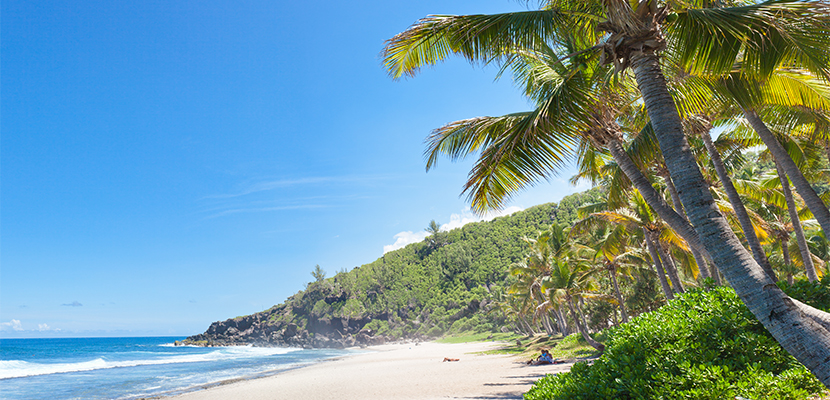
x: 545, y: 358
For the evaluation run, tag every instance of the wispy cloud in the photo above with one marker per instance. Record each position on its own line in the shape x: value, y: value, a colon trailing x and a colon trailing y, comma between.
x: 284, y: 195
x: 270, y: 185
x: 264, y: 209
x: 72, y: 304
x: 14, y: 325
x: 267, y: 185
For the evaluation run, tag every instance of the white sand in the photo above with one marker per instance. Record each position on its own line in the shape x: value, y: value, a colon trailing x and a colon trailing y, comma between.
x: 401, y: 371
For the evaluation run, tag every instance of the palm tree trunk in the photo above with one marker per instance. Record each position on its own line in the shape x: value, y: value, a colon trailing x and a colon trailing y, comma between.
x: 613, y: 272
x: 804, y: 338
x: 702, y: 266
x: 785, y: 252
x: 563, y: 322
x: 738, y: 206
x: 579, y: 306
x: 811, y: 199
x: 655, y: 200
x: 806, y: 257
x: 556, y: 325
x: 668, y: 263
x: 548, y: 327
x: 530, y: 329
x: 582, y: 330
x: 658, y: 265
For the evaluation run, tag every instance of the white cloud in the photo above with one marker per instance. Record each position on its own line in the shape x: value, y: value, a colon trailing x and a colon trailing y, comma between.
x: 404, y: 238
x: 456, y: 221
x: 43, y: 327
x: 13, y: 325
x: 467, y: 216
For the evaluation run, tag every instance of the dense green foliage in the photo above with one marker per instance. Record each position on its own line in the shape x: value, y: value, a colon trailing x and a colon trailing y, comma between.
x: 816, y: 294
x: 703, y: 345
x: 437, y: 286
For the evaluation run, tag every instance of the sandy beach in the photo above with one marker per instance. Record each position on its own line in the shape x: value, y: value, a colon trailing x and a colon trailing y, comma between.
x: 399, y: 371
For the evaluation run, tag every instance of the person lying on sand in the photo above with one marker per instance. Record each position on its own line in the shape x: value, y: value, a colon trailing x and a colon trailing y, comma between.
x: 544, y: 359
x: 449, y: 359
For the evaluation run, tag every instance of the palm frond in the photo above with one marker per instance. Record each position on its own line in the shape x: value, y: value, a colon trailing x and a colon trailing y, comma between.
x: 478, y: 38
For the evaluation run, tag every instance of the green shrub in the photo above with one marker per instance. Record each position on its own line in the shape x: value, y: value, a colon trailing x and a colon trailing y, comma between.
x: 435, y: 331
x: 378, y: 326
x: 352, y: 309
x: 816, y: 294
x: 321, y: 308
x: 703, y: 345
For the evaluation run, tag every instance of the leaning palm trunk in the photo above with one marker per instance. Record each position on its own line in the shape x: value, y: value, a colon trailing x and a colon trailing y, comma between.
x: 613, y: 272
x: 654, y: 199
x: 811, y: 199
x: 563, y: 322
x: 738, y: 206
x: 582, y: 329
x: 579, y: 306
x: 806, y: 257
x: 785, y: 252
x: 658, y: 265
x: 555, y: 317
x: 546, y: 323
x: 804, y: 338
x: 701, y: 263
x: 671, y: 268
x: 668, y: 263
x: 528, y: 326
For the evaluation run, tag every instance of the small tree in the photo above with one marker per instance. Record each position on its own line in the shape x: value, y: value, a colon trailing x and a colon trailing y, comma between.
x: 319, y: 274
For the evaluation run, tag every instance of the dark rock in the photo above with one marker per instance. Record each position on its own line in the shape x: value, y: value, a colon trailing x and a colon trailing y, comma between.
x: 290, y: 331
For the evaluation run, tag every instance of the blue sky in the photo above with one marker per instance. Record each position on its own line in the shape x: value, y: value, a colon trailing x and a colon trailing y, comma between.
x: 166, y: 164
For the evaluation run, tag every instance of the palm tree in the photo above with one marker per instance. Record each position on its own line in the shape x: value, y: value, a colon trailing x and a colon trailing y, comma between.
x: 610, y: 252
x: 511, y: 308
x: 700, y: 125
x: 800, y: 90
x: 796, y: 223
x: 504, y: 166
x: 532, y: 271
x: 639, y: 217
x: 566, y: 283
x: 765, y: 34
x: 798, y: 153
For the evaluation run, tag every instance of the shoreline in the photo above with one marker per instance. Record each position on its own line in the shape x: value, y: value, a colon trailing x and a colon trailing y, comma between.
x: 407, y: 370
x: 175, y: 393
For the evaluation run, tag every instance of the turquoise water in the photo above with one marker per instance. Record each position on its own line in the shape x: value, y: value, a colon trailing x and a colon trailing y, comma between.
x: 132, y: 368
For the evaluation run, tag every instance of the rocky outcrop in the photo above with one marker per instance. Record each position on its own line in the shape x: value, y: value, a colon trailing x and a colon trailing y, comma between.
x: 267, y: 328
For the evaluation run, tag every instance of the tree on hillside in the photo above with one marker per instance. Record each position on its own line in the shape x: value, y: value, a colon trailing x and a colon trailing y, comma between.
x: 319, y: 274
x: 633, y: 36
x: 436, y: 238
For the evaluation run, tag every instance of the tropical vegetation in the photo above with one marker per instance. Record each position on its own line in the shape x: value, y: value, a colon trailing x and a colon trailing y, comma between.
x: 702, y: 345
x: 644, y: 82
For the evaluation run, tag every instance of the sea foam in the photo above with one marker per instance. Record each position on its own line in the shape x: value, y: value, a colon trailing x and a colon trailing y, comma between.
x: 18, y: 369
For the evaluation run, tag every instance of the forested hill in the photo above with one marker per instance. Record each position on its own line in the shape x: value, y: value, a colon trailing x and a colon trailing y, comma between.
x: 426, y: 289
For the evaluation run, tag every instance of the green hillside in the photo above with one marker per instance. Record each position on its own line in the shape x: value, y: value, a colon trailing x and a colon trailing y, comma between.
x: 443, y: 284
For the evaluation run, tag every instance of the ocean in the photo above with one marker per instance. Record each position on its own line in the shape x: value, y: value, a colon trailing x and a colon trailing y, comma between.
x: 133, y: 367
